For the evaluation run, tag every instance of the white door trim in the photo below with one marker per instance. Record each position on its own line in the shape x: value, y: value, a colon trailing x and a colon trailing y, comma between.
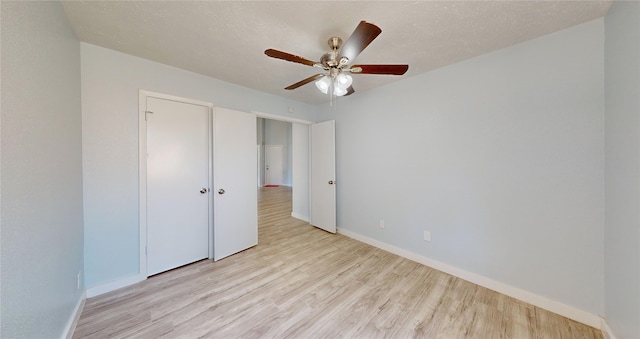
x: 281, y: 118
x: 142, y: 170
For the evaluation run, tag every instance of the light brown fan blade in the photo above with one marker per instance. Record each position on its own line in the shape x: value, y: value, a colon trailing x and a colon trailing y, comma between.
x: 288, y: 57
x: 305, y: 81
x: 380, y: 69
x: 350, y: 91
x: 359, y: 40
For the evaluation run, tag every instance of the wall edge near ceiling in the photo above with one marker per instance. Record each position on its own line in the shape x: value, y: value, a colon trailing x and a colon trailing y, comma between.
x: 114, y: 285
x: 514, y: 292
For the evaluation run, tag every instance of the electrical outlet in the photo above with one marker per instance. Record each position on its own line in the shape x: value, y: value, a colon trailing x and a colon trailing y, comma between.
x: 381, y: 223
x: 427, y: 236
x: 78, y: 281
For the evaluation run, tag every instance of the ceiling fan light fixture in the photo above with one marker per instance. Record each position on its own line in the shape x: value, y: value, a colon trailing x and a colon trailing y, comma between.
x: 338, y: 91
x: 323, y: 84
x: 336, y: 64
x: 343, y: 80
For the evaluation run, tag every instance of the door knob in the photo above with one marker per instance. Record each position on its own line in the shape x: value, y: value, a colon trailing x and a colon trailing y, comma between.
x: 331, y: 182
x: 203, y: 190
x: 221, y: 191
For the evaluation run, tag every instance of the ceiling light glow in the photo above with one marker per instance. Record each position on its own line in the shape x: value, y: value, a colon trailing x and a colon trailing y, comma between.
x: 323, y: 84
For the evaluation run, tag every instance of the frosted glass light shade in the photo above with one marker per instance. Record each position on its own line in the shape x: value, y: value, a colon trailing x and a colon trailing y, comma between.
x: 339, y: 91
x: 343, y: 80
x: 323, y: 84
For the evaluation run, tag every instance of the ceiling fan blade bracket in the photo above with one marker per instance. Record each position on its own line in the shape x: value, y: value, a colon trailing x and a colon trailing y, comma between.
x: 343, y: 62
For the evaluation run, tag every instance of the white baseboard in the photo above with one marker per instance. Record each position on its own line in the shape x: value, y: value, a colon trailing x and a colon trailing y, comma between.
x: 114, y: 285
x: 300, y: 216
x: 607, y: 333
x: 528, y: 297
x: 75, y: 316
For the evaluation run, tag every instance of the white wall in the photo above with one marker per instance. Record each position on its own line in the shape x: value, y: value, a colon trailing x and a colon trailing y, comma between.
x: 42, y: 232
x: 622, y: 171
x: 110, y: 84
x: 300, y: 166
x: 500, y: 157
x: 279, y: 133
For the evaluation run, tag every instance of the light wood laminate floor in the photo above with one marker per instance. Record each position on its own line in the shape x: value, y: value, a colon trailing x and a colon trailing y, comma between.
x: 302, y: 282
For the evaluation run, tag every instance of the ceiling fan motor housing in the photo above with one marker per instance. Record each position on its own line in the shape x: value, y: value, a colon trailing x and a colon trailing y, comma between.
x: 330, y: 60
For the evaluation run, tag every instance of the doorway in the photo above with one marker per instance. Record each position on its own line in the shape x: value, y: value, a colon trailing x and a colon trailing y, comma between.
x: 298, y: 161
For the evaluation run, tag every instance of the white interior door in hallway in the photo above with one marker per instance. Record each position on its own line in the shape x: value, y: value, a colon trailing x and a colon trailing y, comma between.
x: 178, y: 174
x: 323, y: 176
x: 274, y: 165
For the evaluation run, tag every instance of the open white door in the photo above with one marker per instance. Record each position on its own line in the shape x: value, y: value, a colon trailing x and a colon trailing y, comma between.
x: 323, y: 173
x: 235, y: 183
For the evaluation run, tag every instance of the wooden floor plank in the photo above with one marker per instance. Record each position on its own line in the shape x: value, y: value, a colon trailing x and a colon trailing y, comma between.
x: 302, y: 282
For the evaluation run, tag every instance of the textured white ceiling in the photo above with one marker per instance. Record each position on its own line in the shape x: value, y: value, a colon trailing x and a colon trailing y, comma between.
x: 226, y: 39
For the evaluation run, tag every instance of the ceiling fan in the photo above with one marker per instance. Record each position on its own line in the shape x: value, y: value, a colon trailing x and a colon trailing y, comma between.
x: 336, y: 79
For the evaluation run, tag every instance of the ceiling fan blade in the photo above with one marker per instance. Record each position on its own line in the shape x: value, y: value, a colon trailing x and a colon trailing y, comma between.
x: 305, y: 81
x: 288, y: 57
x: 380, y: 69
x: 359, y: 40
x: 350, y: 91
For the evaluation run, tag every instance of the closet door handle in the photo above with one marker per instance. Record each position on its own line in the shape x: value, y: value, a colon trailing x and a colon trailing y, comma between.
x: 221, y: 191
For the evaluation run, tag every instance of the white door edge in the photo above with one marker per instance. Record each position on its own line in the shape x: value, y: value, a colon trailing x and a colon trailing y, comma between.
x: 259, y: 168
x: 142, y: 170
